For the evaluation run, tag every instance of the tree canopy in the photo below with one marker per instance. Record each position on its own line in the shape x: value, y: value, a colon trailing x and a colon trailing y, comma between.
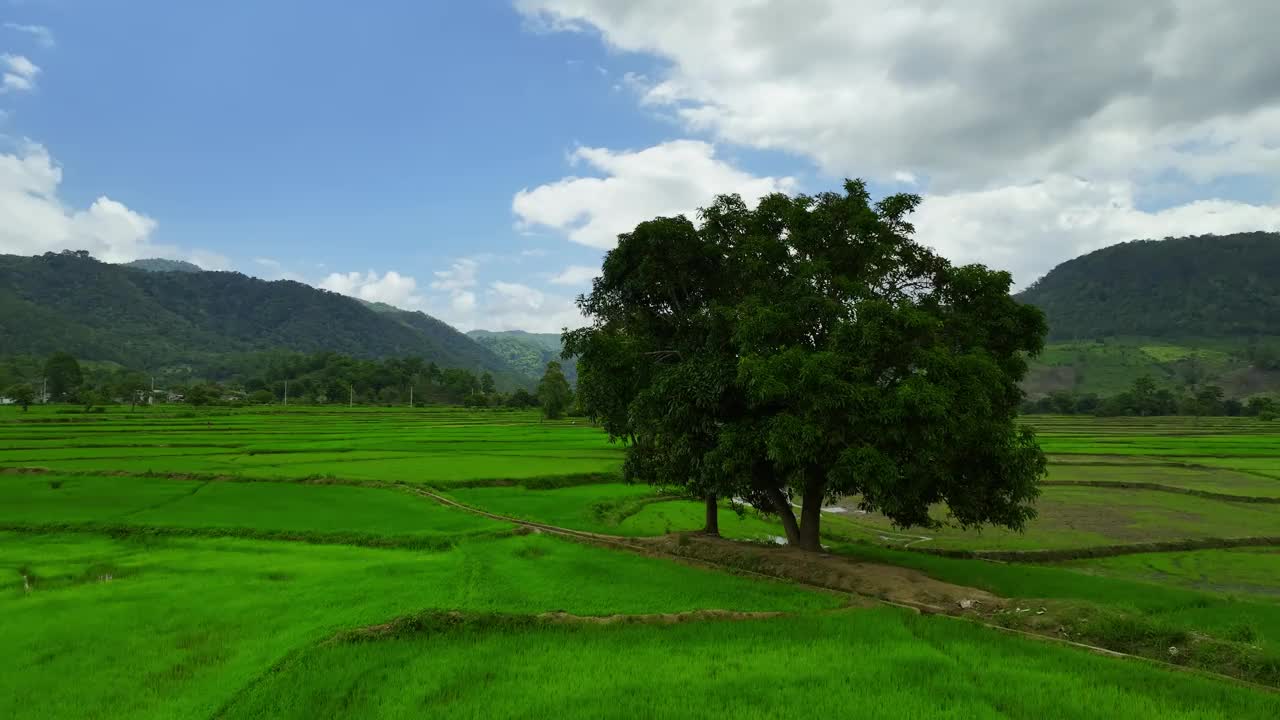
x: 810, y: 349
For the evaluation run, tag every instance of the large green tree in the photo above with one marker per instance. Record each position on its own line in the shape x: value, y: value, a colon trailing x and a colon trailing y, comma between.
x: 810, y: 349
x: 62, y: 373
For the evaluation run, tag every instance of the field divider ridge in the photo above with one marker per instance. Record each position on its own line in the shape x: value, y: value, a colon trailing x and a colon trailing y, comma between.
x: 1159, y: 487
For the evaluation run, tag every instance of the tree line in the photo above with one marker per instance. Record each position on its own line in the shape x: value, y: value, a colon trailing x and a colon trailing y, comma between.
x: 1144, y: 398
x: 316, y: 378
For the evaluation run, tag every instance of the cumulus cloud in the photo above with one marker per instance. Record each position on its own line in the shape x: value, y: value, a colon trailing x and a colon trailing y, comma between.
x: 515, y: 306
x: 40, y: 33
x: 17, y: 73
x: 34, y: 220
x: 391, y: 288
x: 668, y: 179
x: 1069, y: 109
x: 461, y: 300
x: 986, y: 88
x: 1027, y: 229
x: 460, y: 276
x: 575, y: 275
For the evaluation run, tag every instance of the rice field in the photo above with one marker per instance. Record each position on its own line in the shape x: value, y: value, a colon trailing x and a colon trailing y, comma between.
x: 223, y: 563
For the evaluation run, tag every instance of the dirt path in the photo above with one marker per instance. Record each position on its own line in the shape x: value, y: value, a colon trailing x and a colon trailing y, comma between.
x: 861, y: 582
x: 890, y: 583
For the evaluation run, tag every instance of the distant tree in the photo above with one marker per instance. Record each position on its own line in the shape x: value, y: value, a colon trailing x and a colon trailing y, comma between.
x: 522, y: 398
x: 1260, y: 404
x: 200, y: 394
x: 92, y: 397
x: 62, y: 372
x: 22, y: 394
x: 1208, y: 401
x: 1087, y: 404
x: 1063, y: 402
x: 261, y: 397
x: 131, y: 388
x: 554, y: 392
x: 828, y: 355
x: 486, y: 383
x: 1163, y: 402
x: 1143, y: 394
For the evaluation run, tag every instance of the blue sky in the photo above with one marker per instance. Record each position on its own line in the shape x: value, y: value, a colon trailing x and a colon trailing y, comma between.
x: 335, y: 143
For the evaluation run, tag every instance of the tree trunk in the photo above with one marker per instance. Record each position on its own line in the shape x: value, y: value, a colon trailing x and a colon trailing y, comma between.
x: 713, y: 517
x: 782, y: 506
x: 811, y: 517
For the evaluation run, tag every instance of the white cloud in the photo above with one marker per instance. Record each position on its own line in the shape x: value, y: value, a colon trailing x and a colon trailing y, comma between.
x: 460, y: 276
x: 268, y: 263
x: 41, y: 34
x: 576, y: 275
x: 391, y: 288
x: 460, y: 299
x: 668, y: 179
x: 987, y: 90
x: 17, y: 74
x: 515, y: 306
x: 1058, y: 112
x: 34, y: 220
x: 1027, y: 229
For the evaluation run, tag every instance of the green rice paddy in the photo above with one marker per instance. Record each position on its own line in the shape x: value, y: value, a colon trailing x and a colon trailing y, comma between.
x: 167, y: 563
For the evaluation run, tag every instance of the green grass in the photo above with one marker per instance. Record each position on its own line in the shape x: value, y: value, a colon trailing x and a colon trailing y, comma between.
x: 274, y: 507
x: 882, y: 663
x: 183, y: 623
x: 1236, y: 635
x: 1078, y: 517
x: 1111, y: 367
x: 1252, y: 571
x: 433, y: 445
x: 1205, y: 479
x: 612, y: 508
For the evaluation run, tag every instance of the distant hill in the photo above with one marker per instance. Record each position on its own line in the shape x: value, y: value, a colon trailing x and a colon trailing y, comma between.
x: 164, y: 265
x: 1183, y: 311
x: 526, y: 352
x: 146, y: 319
x: 1204, y: 286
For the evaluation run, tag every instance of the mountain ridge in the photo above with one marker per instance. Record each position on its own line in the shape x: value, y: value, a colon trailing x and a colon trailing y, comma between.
x: 99, y: 311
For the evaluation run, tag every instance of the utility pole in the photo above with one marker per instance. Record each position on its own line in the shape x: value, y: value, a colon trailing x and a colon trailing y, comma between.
x: 151, y: 399
x: 410, y: 397
x: 352, y: 402
x: 286, y: 392
x: 44, y: 391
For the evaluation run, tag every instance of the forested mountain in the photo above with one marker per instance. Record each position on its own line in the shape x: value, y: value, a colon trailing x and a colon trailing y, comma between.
x: 527, y: 352
x: 1205, y: 286
x: 164, y: 265
x: 1183, y: 312
x: 97, y: 311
